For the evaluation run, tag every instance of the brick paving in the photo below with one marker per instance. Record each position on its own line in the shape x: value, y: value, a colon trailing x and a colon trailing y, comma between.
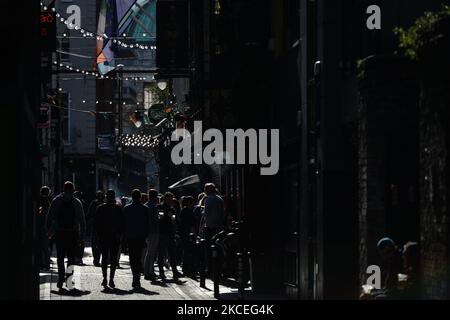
x: 88, y: 280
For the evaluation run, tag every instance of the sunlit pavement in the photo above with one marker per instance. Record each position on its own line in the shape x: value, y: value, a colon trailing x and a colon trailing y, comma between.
x: 87, y: 283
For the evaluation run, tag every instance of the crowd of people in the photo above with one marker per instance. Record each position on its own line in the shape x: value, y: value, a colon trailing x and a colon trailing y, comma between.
x: 150, y: 227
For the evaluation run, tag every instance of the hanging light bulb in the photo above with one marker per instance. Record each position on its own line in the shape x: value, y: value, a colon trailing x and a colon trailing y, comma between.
x: 162, y: 85
x: 217, y: 7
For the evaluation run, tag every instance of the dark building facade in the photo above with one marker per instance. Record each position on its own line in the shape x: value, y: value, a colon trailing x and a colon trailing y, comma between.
x: 433, y: 144
x: 333, y: 106
x: 349, y: 145
x: 20, y: 171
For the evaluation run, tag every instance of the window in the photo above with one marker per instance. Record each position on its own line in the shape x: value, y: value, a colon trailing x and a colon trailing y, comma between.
x: 65, y: 45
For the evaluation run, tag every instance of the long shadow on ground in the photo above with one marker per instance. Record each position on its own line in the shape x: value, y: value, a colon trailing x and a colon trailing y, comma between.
x: 70, y: 293
x: 143, y: 291
x: 115, y: 291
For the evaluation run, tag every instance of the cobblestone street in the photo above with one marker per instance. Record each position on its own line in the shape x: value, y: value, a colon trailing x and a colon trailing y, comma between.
x: 87, y: 283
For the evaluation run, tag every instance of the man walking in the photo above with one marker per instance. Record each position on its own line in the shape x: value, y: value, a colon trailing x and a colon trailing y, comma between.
x: 80, y: 250
x: 108, y: 223
x: 66, y: 222
x: 167, y: 236
x: 153, y: 237
x: 136, y: 231
x: 99, y: 200
x: 188, y: 225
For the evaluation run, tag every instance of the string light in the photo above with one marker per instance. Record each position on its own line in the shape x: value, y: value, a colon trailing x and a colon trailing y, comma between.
x: 87, y: 34
x: 136, y: 140
x: 110, y: 102
x: 91, y: 112
x: 98, y: 75
x: 133, y: 140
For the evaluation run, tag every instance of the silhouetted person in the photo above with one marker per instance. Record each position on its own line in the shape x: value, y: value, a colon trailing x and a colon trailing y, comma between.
x: 198, y: 212
x: 66, y: 221
x: 136, y: 231
x: 213, y: 213
x: 167, y: 236
x: 411, y: 265
x: 108, y: 223
x: 123, y: 245
x: 44, y: 249
x: 392, y: 264
x: 144, y: 200
x: 153, y: 236
x: 80, y: 251
x: 188, y: 224
x: 96, y: 252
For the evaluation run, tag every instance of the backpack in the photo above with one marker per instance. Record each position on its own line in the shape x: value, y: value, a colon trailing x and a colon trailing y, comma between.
x: 66, y: 216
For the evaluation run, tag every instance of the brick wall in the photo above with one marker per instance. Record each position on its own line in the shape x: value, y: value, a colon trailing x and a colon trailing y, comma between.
x: 434, y: 158
x: 388, y: 92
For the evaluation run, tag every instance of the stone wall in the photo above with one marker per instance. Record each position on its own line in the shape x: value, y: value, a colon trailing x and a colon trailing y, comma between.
x: 435, y: 161
x: 388, y: 90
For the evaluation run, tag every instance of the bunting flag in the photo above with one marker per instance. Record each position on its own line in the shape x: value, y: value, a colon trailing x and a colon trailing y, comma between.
x: 106, y: 25
x: 138, y: 20
x: 131, y: 19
